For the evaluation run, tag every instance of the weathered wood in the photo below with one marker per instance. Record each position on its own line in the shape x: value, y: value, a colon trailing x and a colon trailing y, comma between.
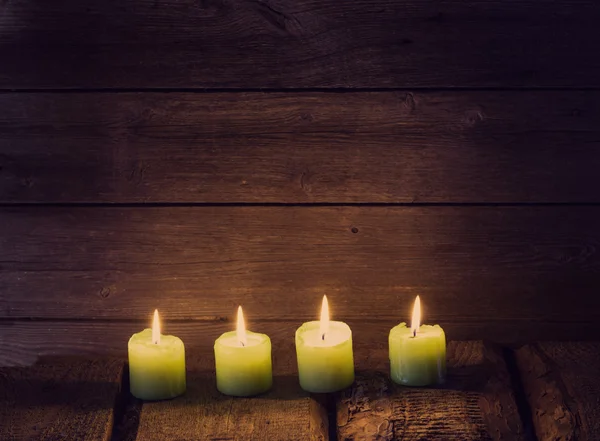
x: 293, y: 43
x: 476, y: 403
x: 22, y: 342
x: 312, y: 147
x: 467, y: 263
x: 562, y: 387
x: 285, y: 413
x: 59, y: 400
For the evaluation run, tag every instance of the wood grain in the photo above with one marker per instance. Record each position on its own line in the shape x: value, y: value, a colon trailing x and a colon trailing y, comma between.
x: 476, y: 403
x: 300, y: 148
x: 297, y: 44
x: 285, y: 413
x: 22, y: 342
x: 59, y: 400
x: 561, y: 382
x: 467, y: 263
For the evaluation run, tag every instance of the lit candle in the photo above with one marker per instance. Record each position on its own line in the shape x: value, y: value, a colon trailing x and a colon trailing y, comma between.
x: 324, y: 351
x: 156, y: 364
x: 417, y: 354
x: 243, y: 361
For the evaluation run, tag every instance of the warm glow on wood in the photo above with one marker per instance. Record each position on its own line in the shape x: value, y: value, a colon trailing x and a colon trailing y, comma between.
x: 416, y: 317
x: 241, y: 327
x: 324, y: 323
x: 156, y: 328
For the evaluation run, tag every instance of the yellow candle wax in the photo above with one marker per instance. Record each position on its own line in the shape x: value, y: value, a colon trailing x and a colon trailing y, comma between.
x: 243, y: 361
x: 417, y: 354
x: 156, y: 364
x: 324, y: 352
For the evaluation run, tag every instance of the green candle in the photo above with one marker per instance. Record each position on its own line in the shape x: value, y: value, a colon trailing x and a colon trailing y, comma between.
x: 156, y: 364
x: 243, y: 361
x: 324, y: 352
x: 417, y: 354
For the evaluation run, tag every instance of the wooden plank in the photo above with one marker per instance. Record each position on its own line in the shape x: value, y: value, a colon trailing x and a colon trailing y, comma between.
x: 298, y: 43
x: 22, y: 342
x: 59, y: 400
x: 476, y: 403
x: 286, y: 412
x: 562, y: 387
x: 467, y: 263
x: 300, y: 148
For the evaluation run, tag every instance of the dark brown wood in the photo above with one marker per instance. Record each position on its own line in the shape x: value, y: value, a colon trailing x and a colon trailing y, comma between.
x: 286, y: 412
x: 69, y: 399
x: 467, y: 263
x: 292, y: 43
x: 301, y: 148
x: 22, y: 342
x: 562, y: 386
x: 476, y: 403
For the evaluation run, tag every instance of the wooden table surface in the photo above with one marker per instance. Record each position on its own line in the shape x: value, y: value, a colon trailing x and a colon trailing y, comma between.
x: 491, y: 393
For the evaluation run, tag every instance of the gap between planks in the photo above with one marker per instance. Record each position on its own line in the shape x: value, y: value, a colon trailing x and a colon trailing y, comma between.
x: 324, y: 90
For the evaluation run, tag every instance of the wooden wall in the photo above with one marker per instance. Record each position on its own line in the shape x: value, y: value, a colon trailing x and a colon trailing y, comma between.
x: 194, y: 155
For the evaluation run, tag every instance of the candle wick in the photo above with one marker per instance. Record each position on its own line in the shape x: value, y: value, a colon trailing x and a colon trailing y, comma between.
x: 323, y: 337
x: 242, y: 343
x: 414, y: 333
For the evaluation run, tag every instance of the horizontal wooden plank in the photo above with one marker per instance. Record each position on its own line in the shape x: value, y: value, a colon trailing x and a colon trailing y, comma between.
x: 292, y: 43
x: 467, y: 263
x: 286, y: 412
x: 59, y: 400
x: 476, y: 402
x: 22, y: 342
x: 562, y: 386
x: 300, y: 148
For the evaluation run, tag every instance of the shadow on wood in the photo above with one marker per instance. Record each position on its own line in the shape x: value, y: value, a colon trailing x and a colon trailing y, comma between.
x: 58, y: 399
x: 298, y: 44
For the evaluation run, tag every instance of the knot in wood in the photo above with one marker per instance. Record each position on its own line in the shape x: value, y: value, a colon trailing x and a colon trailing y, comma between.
x: 409, y: 102
x: 27, y: 182
x: 305, y: 181
x: 474, y: 116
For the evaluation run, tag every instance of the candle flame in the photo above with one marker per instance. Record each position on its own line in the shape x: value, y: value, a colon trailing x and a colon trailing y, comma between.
x: 416, y: 317
x: 324, y: 323
x: 156, y: 328
x: 241, y: 327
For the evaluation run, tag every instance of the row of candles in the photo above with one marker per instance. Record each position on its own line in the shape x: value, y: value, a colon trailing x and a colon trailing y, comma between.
x: 323, y: 348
